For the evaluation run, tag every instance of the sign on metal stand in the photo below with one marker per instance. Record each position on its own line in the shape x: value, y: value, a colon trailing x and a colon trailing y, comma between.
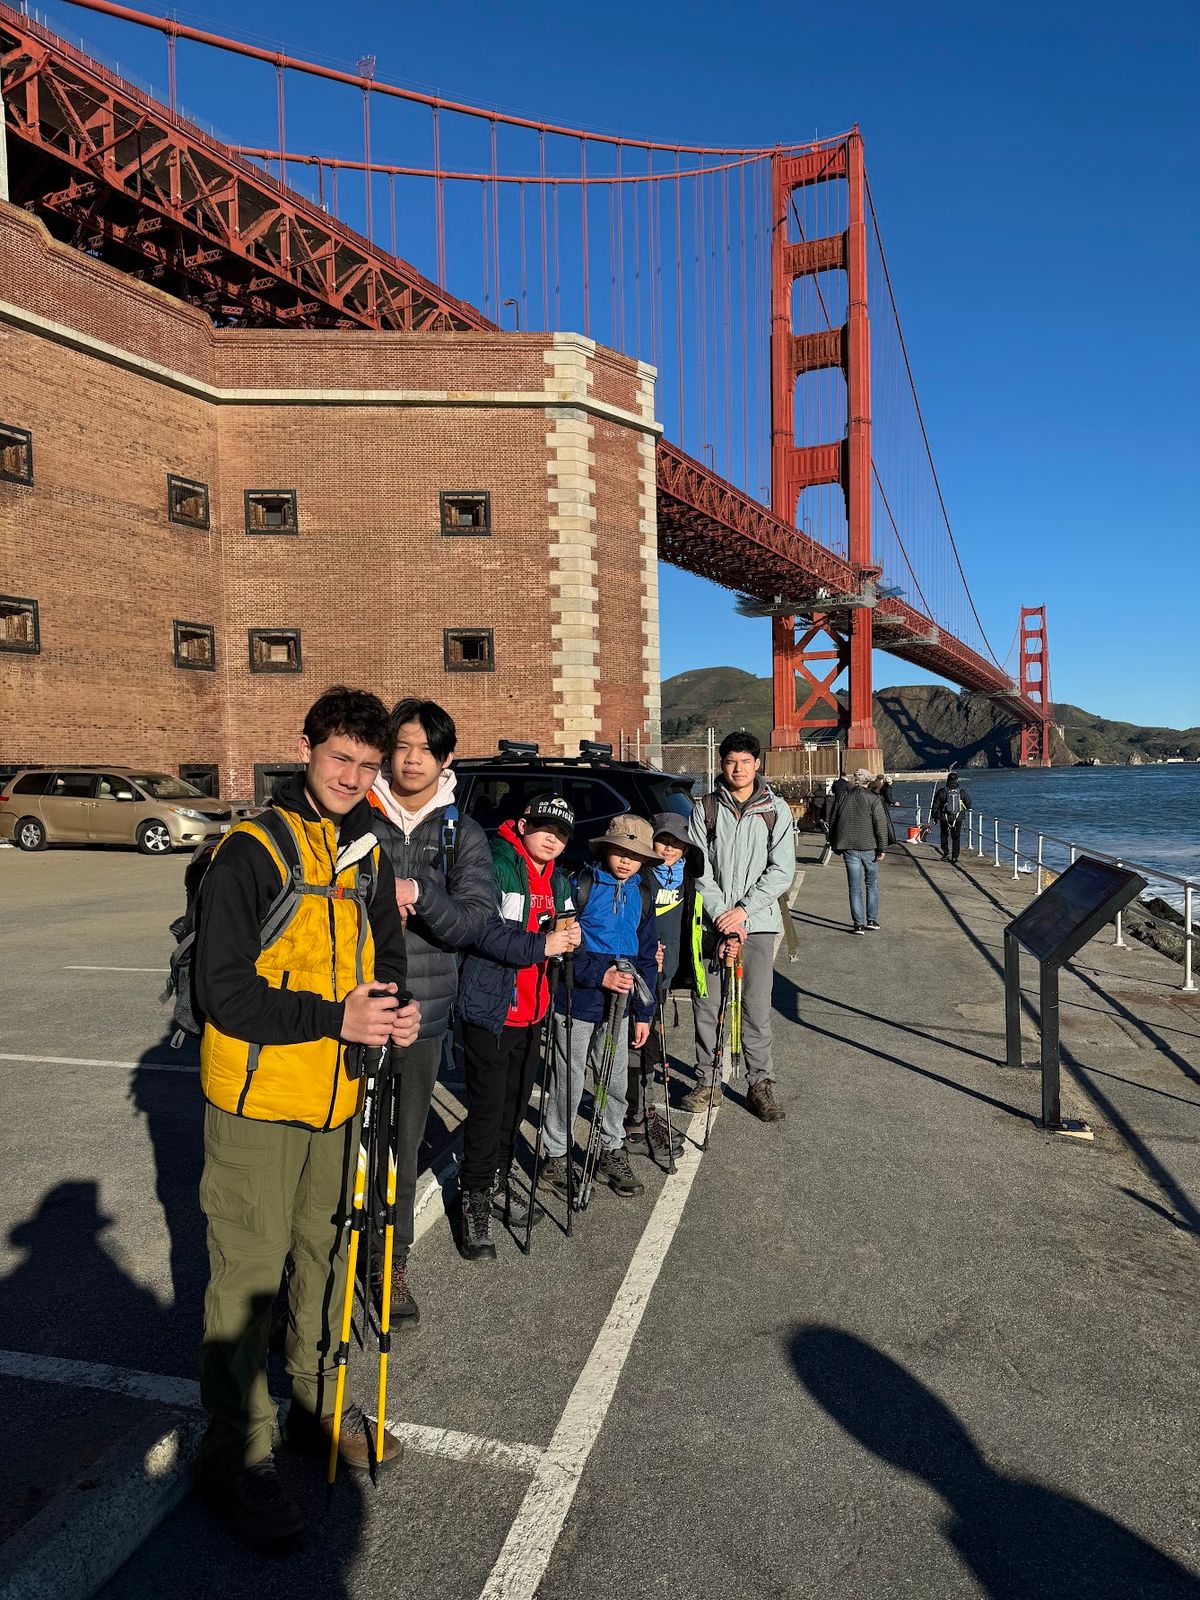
x: 1053, y: 928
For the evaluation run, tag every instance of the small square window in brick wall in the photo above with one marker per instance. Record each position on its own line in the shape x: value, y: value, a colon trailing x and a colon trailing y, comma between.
x: 271, y: 511
x: 16, y: 454
x: 19, y: 627
x: 468, y: 650
x: 195, y: 646
x: 275, y: 650
x: 466, y: 512
x: 187, y: 502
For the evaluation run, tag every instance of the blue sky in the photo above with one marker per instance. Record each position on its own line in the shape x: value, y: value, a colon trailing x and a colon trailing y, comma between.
x: 1034, y: 169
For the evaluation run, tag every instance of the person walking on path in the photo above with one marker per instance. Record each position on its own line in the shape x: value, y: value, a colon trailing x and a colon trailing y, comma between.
x: 503, y: 997
x: 617, y: 956
x: 746, y: 834
x: 281, y: 1122
x: 883, y: 789
x: 678, y: 913
x: 445, y: 893
x: 859, y: 834
x: 951, y: 802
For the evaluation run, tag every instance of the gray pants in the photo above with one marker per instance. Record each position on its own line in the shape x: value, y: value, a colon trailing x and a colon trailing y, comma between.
x: 758, y: 977
x: 566, y: 1083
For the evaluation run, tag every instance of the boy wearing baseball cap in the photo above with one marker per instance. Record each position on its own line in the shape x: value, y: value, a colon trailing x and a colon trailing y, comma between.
x: 617, y: 923
x: 503, y: 997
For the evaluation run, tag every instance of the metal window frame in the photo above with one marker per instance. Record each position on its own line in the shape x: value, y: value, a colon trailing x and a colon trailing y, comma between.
x: 193, y: 484
x: 34, y: 649
x: 209, y: 631
x: 291, y: 633
x: 446, y: 495
x: 461, y: 666
x: 276, y: 770
x: 202, y: 766
x: 20, y: 436
x: 273, y: 494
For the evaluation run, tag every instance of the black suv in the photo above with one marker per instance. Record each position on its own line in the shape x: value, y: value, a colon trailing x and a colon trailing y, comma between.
x: 492, y: 789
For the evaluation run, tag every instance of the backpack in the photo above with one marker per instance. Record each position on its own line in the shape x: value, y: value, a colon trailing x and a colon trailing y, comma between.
x: 186, y: 1014
x: 583, y: 888
x: 952, y: 805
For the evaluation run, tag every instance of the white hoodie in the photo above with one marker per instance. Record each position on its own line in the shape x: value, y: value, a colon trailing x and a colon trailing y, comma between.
x: 406, y: 821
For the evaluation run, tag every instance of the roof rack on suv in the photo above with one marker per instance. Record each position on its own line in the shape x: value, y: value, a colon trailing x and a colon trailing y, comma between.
x: 591, y: 754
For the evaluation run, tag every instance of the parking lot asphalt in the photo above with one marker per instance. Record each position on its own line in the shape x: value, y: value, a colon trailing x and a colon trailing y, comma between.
x: 902, y: 1343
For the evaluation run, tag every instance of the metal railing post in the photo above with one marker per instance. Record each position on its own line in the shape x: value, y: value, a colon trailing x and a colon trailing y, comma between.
x: 996, y: 832
x: 1119, y: 941
x: 1016, y: 843
x: 1039, y: 865
x: 1074, y: 853
x: 979, y: 836
x: 1189, y: 983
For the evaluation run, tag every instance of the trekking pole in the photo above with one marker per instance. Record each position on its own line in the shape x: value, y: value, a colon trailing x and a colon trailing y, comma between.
x: 389, y: 1235
x: 718, y: 1066
x: 544, y: 1084
x: 614, y: 1022
x: 661, y: 1024
x: 569, y: 971
x: 735, y: 1022
x: 357, y: 1217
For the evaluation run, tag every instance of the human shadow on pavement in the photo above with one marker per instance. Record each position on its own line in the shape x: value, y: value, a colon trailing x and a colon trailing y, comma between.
x: 1020, y: 1539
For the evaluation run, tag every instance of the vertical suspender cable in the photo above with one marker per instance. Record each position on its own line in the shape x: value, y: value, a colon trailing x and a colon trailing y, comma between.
x: 621, y: 248
x: 172, y: 97
x: 392, y: 207
x: 728, y: 315
x: 496, y: 221
x: 742, y: 303
x: 557, y: 279
x: 612, y: 266
x: 679, y: 299
x: 545, y: 243
x: 279, y: 115
x: 439, y: 201
x: 483, y: 224
x: 321, y: 185
x: 524, y: 273
x: 367, y: 174
x: 637, y: 277
x: 583, y: 201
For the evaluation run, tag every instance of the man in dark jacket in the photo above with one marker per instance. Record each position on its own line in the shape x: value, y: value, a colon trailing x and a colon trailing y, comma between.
x: 858, y: 832
x: 281, y: 1123
x: 951, y: 802
x: 445, y: 894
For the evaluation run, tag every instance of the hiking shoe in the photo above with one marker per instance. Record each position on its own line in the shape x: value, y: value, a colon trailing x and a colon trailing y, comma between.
x: 760, y: 1097
x: 649, y: 1138
x: 858, y: 928
x: 356, y: 1437
x: 476, y: 1241
x: 554, y: 1175
x: 510, y: 1202
x: 872, y: 927
x: 614, y: 1169
x: 696, y: 1098
x: 406, y: 1313
x: 257, y: 1508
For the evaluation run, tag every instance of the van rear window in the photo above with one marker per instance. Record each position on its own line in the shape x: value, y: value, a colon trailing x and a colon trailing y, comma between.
x: 32, y: 783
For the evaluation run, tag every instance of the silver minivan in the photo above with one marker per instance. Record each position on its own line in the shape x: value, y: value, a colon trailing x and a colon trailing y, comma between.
x: 109, y: 805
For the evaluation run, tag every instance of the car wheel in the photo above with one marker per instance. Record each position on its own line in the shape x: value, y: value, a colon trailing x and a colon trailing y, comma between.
x: 154, y: 839
x: 30, y: 834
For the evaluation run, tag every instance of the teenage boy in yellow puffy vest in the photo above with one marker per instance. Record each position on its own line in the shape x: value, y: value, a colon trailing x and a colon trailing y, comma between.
x: 281, y: 1125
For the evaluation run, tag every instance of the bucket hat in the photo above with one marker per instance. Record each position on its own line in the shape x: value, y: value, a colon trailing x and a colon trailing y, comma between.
x: 633, y: 836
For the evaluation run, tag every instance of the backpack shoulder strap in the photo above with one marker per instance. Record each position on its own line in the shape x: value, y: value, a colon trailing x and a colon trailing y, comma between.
x: 649, y: 896
x: 710, y: 804
x: 279, y: 912
x: 583, y: 888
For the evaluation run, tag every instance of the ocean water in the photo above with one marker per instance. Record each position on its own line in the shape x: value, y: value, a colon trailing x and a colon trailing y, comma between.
x: 1149, y: 816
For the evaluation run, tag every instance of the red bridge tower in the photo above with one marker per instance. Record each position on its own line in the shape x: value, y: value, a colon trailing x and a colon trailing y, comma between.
x: 1035, y: 685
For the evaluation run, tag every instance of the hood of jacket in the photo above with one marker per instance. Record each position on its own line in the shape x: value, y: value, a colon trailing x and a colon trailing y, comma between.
x: 406, y: 821
x: 760, y: 798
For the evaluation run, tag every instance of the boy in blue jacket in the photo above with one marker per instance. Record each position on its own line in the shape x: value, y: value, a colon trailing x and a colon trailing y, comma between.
x: 616, y: 919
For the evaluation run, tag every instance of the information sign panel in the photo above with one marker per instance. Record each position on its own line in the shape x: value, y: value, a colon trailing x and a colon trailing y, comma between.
x: 1074, y: 908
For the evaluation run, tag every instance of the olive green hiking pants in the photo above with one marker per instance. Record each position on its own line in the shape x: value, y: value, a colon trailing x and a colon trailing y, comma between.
x: 270, y: 1191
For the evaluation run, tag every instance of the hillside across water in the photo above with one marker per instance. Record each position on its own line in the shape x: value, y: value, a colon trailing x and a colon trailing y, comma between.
x: 921, y: 726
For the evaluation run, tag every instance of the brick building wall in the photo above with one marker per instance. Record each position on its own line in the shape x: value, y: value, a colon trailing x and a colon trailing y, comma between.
x: 119, y: 385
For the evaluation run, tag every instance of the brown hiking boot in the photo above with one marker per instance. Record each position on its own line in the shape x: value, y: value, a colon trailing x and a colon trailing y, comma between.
x: 406, y: 1313
x: 761, y: 1102
x: 356, y: 1438
x: 696, y: 1098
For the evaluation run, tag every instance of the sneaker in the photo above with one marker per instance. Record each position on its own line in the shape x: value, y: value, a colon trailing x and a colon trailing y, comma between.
x: 760, y: 1097
x: 696, y: 1098
x: 406, y: 1313
x: 872, y: 927
x: 554, y: 1175
x: 476, y: 1240
x: 510, y: 1202
x: 649, y: 1138
x: 257, y: 1508
x: 614, y: 1169
x: 356, y: 1436
x: 858, y: 928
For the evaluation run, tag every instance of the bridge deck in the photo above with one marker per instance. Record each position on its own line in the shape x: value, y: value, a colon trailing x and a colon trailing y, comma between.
x: 902, y: 1343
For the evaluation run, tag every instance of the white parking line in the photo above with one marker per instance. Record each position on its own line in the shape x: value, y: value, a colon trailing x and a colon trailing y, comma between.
x: 539, y: 1523
x: 84, y: 1061
x: 447, y: 1443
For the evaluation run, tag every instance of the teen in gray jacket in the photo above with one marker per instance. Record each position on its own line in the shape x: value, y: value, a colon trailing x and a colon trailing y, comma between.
x: 746, y: 834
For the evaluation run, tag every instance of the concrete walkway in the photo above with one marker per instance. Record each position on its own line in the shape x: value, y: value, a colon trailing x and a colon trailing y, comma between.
x: 903, y: 1343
